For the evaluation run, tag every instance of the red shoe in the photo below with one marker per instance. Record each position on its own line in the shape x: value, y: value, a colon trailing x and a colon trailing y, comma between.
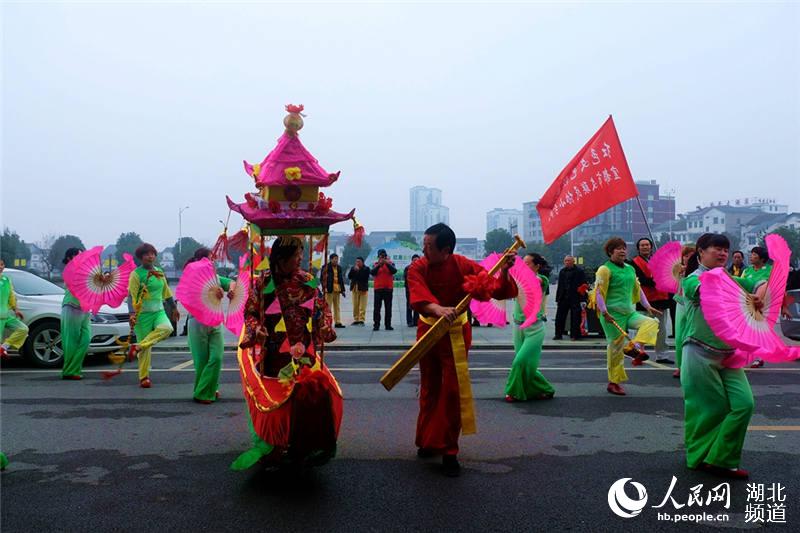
x: 216, y: 395
x: 636, y: 362
x: 145, y: 383
x: 510, y: 399
x: 736, y: 473
x: 637, y: 353
x: 3, y: 354
x: 758, y: 363
x: 72, y: 378
x: 204, y: 402
x: 616, y: 388
x: 677, y: 374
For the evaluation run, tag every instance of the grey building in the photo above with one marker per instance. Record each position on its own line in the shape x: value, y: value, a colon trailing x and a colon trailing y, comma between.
x: 507, y: 219
x: 426, y: 208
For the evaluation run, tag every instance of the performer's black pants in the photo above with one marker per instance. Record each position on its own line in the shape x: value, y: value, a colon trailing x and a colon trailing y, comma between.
x: 382, y: 296
x: 574, y: 310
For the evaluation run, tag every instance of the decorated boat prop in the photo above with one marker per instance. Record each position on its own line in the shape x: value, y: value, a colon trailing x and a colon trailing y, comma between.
x: 294, y: 401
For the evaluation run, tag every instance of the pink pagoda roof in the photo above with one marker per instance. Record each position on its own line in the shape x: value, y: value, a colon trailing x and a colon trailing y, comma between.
x: 288, y: 153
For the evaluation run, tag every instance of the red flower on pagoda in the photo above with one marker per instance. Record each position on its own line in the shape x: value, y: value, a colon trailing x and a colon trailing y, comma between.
x: 274, y: 206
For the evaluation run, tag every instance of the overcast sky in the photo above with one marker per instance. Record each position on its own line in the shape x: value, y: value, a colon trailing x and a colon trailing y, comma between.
x: 117, y: 115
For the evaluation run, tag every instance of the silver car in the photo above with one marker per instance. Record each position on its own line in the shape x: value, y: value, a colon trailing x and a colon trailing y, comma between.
x: 39, y: 301
x: 790, y: 327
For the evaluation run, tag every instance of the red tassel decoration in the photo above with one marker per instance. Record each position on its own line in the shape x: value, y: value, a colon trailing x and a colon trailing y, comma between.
x: 239, y: 241
x: 358, y: 234
x: 220, y: 249
x: 480, y: 285
x: 321, y: 245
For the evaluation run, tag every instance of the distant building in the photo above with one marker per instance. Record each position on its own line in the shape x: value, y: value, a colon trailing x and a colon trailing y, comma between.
x: 507, y: 219
x: 718, y: 219
x: 625, y: 219
x: 470, y: 247
x: 37, y: 262
x: 758, y: 227
x: 766, y: 205
x: 426, y: 208
x: 166, y: 258
x: 531, y: 226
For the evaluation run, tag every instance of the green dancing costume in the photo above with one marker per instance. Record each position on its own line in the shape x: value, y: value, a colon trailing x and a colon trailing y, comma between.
x: 76, y: 332
x: 525, y: 382
x: 718, y: 402
x: 207, y: 346
x: 10, y: 325
x: 148, y: 289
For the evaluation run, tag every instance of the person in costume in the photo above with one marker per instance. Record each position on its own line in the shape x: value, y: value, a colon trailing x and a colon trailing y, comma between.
x: 207, y: 344
x: 333, y: 284
x: 737, y: 264
x: 294, y: 401
x: 10, y: 324
x: 76, y: 329
x: 436, y: 285
x: 680, y: 311
x: 658, y: 299
x: 718, y: 401
x: 525, y: 382
x: 616, y: 293
x: 759, y: 270
x: 148, y: 291
x: 13, y: 331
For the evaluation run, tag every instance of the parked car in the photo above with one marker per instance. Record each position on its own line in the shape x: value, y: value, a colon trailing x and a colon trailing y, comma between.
x: 39, y: 300
x: 790, y: 327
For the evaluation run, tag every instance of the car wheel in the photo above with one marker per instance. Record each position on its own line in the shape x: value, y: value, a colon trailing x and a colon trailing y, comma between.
x: 43, y: 346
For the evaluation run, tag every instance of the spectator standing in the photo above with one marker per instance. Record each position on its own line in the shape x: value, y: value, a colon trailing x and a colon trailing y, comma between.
x: 383, y: 271
x: 333, y: 282
x: 568, y: 299
x: 359, y: 289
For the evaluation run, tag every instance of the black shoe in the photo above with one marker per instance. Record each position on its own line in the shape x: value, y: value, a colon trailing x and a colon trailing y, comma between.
x: 389, y: 328
x: 425, y: 453
x: 375, y: 328
x: 665, y: 361
x: 340, y: 325
x: 450, y: 466
x: 558, y: 338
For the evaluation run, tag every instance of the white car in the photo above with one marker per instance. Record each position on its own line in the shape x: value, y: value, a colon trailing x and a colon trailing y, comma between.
x: 39, y: 301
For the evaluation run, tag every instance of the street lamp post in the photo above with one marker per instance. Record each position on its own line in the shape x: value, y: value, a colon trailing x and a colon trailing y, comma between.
x: 180, y: 229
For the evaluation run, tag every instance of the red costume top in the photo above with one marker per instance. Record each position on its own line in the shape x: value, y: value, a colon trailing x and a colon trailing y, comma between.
x: 439, y: 422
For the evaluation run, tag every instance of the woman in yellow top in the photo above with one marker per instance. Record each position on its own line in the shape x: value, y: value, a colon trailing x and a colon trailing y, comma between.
x: 10, y: 317
x: 617, y: 291
x: 147, y: 292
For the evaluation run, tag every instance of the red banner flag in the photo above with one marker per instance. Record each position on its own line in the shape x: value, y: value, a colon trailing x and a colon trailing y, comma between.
x: 596, y: 179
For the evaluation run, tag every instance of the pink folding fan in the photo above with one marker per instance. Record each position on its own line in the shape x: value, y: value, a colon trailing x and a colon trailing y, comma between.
x: 529, y: 295
x: 85, y: 280
x: 665, y: 266
x: 199, y: 291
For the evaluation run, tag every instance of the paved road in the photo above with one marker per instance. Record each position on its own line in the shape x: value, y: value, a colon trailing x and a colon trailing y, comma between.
x: 106, y: 456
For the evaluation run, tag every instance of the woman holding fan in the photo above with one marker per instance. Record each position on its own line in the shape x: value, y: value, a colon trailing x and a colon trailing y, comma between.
x: 525, y: 382
x: 76, y: 330
x: 206, y: 342
x: 718, y: 400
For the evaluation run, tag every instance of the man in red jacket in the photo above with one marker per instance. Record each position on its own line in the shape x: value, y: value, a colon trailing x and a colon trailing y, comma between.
x: 383, y: 270
x: 658, y: 299
x: 445, y: 396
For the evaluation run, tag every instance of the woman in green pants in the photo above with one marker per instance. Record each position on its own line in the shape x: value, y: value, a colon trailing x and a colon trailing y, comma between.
x: 148, y: 292
x: 525, y: 382
x: 207, y: 345
x: 76, y: 330
x: 718, y: 402
x: 13, y: 330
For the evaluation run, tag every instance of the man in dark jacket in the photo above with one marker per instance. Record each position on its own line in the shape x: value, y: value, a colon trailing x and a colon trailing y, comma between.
x: 568, y: 299
x: 383, y: 270
x: 333, y: 285
x: 359, y: 288
x: 411, y: 315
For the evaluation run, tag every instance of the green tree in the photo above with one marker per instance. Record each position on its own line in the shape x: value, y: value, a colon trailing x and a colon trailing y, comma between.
x: 497, y: 240
x: 408, y: 239
x: 12, y: 247
x: 792, y: 237
x: 55, y: 256
x: 127, y: 243
x: 350, y: 253
x: 183, y: 250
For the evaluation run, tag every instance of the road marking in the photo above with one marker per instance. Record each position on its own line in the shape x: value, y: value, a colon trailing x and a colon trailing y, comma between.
x: 773, y: 428
x: 183, y: 368
x: 183, y: 365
